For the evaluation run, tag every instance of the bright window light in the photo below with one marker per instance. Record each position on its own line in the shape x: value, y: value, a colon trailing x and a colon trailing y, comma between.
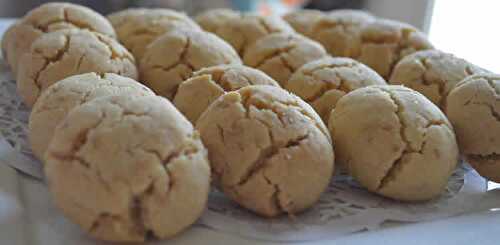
x: 468, y: 29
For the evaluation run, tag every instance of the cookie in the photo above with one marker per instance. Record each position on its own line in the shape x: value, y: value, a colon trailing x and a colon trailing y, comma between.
x: 395, y: 142
x: 473, y: 108
x: 302, y: 21
x: 58, y: 100
x: 340, y: 31
x: 385, y: 42
x: 138, y: 27
x: 279, y: 55
x: 248, y: 28
x: 64, y: 53
x: 128, y: 169
x: 47, y: 18
x: 269, y: 151
x: 213, y: 19
x: 323, y: 82
x: 206, y: 85
x: 433, y: 73
x: 173, y: 57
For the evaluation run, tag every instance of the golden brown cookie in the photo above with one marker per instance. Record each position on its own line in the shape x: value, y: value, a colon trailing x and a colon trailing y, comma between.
x: 385, y: 42
x: 473, y: 108
x: 138, y: 27
x: 57, y: 100
x: 279, y: 55
x: 47, y: 18
x: 395, y: 142
x: 64, y: 53
x: 340, y: 31
x: 213, y: 19
x: 303, y: 20
x: 206, y: 85
x: 433, y: 73
x: 269, y: 151
x: 173, y: 57
x: 128, y: 169
x: 323, y: 82
x: 248, y: 28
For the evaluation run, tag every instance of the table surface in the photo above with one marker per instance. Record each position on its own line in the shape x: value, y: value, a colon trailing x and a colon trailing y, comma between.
x: 477, y: 228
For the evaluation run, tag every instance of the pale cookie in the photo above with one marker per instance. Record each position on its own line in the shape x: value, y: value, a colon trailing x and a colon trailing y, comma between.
x: 323, y: 82
x: 473, y: 108
x: 174, y: 56
x: 302, y: 21
x: 64, y: 53
x: 47, y: 18
x: 269, y: 150
x: 279, y: 55
x: 213, y: 19
x: 137, y: 28
x: 395, y: 142
x: 385, y: 42
x: 248, y: 28
x: 128, y: 169
x: 340, y: 31
x: 206, y: 85
x: 433, y: 73
x: 57, y: 100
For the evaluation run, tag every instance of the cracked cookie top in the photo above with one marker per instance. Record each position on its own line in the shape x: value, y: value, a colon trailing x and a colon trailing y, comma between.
x: 128, y: 169
x: 385, y: 42
x: 340, y: 31
x: 138, y: 27
x: 57, y: 100
x: 243, y: 31
x: 433, y: 73
x: 206, y: 85
x: 57, y: 55
x: 473, y: 107
x: 47, y: 18
x: 173, y: 57
x: 213, y: 19
x: 269, y: 151
x: 323, y: 82
x: 394, y: 141
x: 279, y: 55
x: 303, y: 20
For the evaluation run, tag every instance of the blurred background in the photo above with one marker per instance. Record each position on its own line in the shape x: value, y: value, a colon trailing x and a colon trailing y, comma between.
x: 465, y: 28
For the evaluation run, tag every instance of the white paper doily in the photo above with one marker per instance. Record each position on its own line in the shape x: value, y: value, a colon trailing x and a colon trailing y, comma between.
x: 343, y: 209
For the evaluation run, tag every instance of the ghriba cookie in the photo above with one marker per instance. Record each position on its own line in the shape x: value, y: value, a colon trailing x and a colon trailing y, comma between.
x: 213, y: 19
x: 302, y: 21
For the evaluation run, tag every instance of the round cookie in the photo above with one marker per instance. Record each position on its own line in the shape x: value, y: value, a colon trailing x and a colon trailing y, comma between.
x: 279, y: 55
x: 473, y: 108
x: 269, y: 150
x: 128, y: 169
x: 57, y: 100
x: 433, y: 73
x: 302, y: 21
x: 385, y: 42
x: 213, y: 19
x: 248, y: 28
x: 64, y: 53
x: 137, y: 28
x: 395, y: 142
x: 47, y: 18
x: 323, y: 82
x: 173, y: 57
x: 340, y: 31
x: 206, y: 85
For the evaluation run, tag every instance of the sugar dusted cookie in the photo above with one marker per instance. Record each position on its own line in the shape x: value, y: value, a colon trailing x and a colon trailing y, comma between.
x: 395, y: 142
x: 206, y: 85
x: 213, y: 19
x: 127, y: 169
x: 269, y: 150
x: 174, y: 56
x: 303, y: 20
x: 64, y: 53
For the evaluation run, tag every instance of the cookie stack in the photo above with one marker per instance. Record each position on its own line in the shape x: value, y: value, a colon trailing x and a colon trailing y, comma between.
x: 259, y: 105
